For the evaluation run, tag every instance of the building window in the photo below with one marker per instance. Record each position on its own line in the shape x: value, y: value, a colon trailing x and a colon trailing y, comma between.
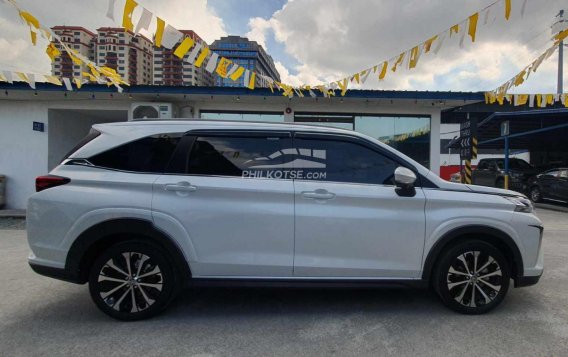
x: 76, y: 33
x: 121, y: 68
x: 121, y: 48
x: 77, y: 74
x: 275, y: 117
x: 76, y: 46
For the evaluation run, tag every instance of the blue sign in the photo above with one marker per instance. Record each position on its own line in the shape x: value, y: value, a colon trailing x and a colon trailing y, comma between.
x: 39, y: 126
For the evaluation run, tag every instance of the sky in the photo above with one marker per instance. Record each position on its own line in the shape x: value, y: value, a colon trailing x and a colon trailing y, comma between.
x: 319, y: 41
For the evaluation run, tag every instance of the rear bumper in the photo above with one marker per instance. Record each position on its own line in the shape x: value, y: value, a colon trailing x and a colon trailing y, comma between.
x: 56, y: 273
x: 523, y: 281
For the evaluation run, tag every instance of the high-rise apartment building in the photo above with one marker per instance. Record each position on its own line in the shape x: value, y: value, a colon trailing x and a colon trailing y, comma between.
x: 249, y: 55
x: 81, y: 41
x: 170, y: 70
x: 130, y: 55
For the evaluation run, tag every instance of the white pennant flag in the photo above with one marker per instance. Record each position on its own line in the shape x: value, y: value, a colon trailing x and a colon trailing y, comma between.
x: 8, y: 76
x: 439, y: 43
x: 365, y: 76
x: 193, y: 54
x: 313, y: 94
x: 523, y: 8
x: 246, y: 78
x: 212, y: 64
x: 67, y: 83
x: 110, y: 10
x: 556, y: 98
x: 31, y: 78
x: 234, y: 68
x: 486, y: 16
x: 170, y: 37
x: 543, y: 101
x: 144, y: 21
x: 462, y: 33
x: 531, y: 101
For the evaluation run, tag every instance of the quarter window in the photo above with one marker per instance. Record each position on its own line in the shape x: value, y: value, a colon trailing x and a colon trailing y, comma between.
x: 149, y: 154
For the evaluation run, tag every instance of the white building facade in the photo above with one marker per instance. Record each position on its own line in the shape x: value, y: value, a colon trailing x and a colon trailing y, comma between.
x: 408, y: 121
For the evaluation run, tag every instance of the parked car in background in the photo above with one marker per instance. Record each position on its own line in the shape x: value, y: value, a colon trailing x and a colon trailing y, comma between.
x: 549, y: 185
x: 491, y: 172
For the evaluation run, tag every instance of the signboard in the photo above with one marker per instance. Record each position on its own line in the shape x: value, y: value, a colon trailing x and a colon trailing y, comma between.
x: 468, y: 139
x: 505, y: 128
x: 38, y: 126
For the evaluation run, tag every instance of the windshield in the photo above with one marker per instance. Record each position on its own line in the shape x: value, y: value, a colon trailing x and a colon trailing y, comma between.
x: 514, y: 164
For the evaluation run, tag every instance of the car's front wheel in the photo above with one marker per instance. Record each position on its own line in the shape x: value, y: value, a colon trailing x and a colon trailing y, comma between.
x: 472, y: 277
x: 535, y: 194
x: 132, y: 280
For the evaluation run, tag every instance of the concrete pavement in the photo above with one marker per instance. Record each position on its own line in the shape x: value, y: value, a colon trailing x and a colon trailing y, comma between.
x: 41, y: 316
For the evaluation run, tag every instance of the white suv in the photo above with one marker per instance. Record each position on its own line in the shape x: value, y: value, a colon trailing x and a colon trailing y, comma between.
x: 140, y: 210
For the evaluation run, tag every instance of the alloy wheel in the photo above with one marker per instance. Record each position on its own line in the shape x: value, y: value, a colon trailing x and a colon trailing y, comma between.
x: 130, y: 282
x: 535, y: 194
x: 474, y: 279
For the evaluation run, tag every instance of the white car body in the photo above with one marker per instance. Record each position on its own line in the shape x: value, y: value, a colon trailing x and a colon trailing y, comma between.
x: 235, y: 228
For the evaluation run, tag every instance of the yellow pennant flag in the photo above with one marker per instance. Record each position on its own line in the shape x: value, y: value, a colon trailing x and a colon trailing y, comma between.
x: 566, y: 100
x: 428, y: 43
x: 2, y: 78
x: 223, y: 67
x: 507, y: 9
x: 520, y: 78
x: 90, y: 76
x: 75, y: 59
x: 23, y: 77
x: 550, y: 99
x: 383, y: 70
x: 398, y: 61
x: 184, y: 47
x: 161, y: 24
x: 252, y: 81
x: 454, y: 29
x: 538, y: 99
x: 561, y: 35
x: 31, y: 21
x: 52, y: 51
x: 53, y: 80
x: 356, y: 77
x: 129, y: 7
x: 473, y: 26
x: 237, y: 73
x: 78, y: 82
x: 343, y: 84
x: 201, y: 58
x: 522, y: 99
x: 414, y: 54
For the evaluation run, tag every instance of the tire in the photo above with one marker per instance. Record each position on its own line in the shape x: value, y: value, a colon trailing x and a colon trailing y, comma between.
x: 451, y: 274
x: 535, y: 194
x: 133, y: 280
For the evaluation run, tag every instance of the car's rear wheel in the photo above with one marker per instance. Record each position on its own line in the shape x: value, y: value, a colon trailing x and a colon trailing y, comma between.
x: 535, y: 194
x: 132, y: 280
x: 472, y: 277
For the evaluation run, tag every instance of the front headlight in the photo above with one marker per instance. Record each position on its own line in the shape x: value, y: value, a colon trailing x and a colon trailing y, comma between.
x: 521, y: 204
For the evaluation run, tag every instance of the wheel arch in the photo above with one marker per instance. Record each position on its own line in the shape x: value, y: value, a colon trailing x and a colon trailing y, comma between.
x: 97, y: 238
x: 498, y: 238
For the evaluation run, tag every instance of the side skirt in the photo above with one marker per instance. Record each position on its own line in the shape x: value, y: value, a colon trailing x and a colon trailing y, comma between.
x: 307, y: 283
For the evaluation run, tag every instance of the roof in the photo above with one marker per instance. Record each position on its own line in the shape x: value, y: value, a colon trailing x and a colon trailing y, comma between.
x: 242, y: 91
x: 73, y: 28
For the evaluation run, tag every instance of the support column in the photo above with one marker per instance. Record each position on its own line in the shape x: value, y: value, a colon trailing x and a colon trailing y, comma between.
x: 435, y: 127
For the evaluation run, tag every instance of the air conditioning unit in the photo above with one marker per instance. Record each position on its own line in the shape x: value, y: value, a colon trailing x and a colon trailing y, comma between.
x: 151, y: 110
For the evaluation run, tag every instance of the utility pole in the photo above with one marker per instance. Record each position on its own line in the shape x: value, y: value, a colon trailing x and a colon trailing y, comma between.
x: 560, y: 24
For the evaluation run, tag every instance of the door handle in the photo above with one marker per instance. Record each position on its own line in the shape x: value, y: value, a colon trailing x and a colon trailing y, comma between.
x: 318, y: 195
x: 182, y: 186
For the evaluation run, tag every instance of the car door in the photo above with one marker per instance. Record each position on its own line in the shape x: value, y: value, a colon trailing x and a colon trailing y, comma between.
x: 548, y: 183
x: 350, y: 222
x: 562, y: 185
x: 236, y: 224
x: 480, y: 174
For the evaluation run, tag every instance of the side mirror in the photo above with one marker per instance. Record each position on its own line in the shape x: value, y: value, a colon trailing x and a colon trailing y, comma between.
x: 404, y: 179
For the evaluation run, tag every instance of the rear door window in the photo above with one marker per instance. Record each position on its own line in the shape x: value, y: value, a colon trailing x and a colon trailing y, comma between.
x: 238, y: 156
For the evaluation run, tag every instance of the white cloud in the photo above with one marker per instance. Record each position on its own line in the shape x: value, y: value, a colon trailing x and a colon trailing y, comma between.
x: 333, y: 38
x: 258, y: 29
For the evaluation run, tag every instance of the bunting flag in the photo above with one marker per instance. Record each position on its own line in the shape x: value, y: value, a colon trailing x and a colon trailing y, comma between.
x: 532, y: 100
x: 53, y: 51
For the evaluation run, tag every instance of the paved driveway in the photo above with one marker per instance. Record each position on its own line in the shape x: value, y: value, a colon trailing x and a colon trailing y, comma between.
x: 41, y: 316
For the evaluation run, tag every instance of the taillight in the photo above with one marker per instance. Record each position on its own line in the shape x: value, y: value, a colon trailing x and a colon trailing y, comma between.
x: 49, y: 181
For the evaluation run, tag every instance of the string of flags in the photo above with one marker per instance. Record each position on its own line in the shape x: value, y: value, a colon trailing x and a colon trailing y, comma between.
x: 500, y: 95
x: 97, y: 74
x: 198, y: 54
